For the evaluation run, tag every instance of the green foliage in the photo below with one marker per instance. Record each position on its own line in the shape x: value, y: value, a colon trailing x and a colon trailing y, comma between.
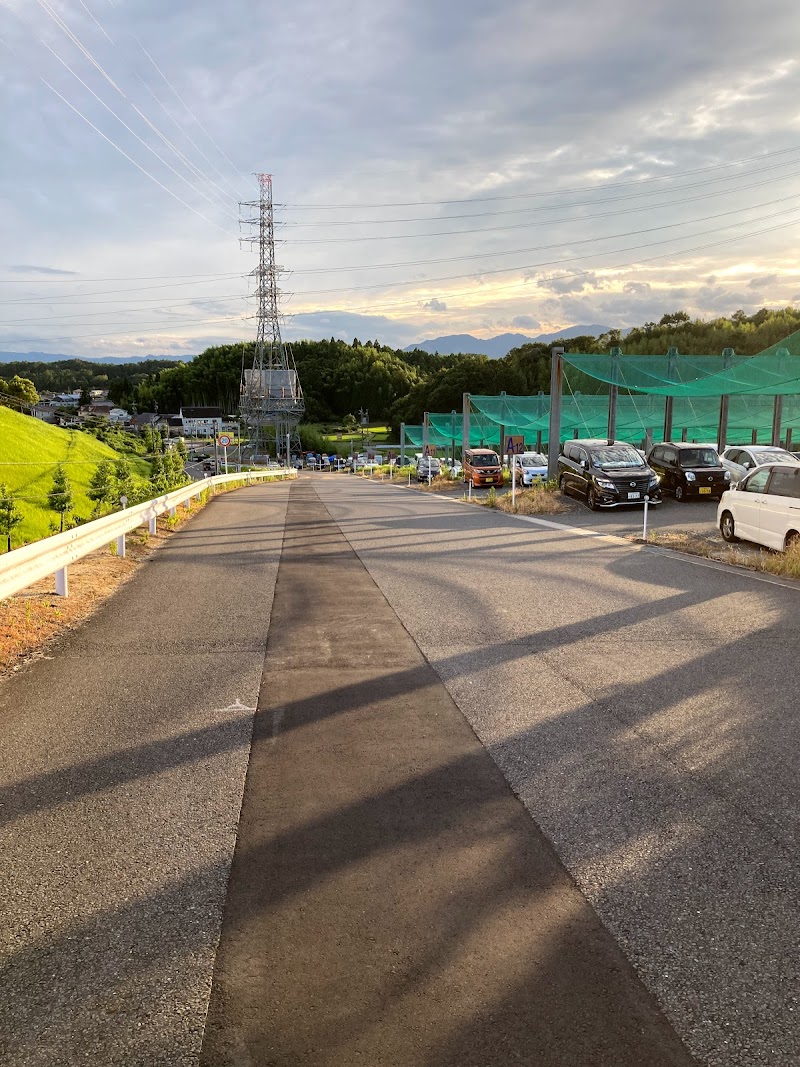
x: 124, y: 484
x: 102, y: 485
x: 10, y: 515
x: 18, y: 388
x: 159, y: 480
x: 60, y: 497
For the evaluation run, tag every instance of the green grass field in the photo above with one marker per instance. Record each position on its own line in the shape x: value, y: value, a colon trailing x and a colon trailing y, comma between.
x: 30, y: 451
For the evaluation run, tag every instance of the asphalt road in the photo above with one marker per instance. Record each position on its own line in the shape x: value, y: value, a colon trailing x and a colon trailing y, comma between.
x: 390, y: 903
x: 122, y: 762
x: 643, y: 706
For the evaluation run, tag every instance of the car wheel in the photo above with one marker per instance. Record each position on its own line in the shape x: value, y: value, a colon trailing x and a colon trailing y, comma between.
x: 591, y: 499
x: 679, y: 493
x: 792, y: 538
x: 727, y: 528
x: 562, y: 485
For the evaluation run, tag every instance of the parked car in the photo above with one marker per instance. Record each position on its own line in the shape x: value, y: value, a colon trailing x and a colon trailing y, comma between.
x: 689, y: 470
x: 530, y: 467
x: 482, y: 467
x: 739, y: 459
x: 607, y: 473
x: 456, y: 469
x: 764, y: 507
x: 428, y: 467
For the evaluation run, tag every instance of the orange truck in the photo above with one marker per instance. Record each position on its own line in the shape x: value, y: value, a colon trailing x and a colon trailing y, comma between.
x: 482, y: 466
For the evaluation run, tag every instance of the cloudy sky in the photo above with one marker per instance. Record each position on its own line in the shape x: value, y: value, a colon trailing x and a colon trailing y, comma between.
x: 438, y: 167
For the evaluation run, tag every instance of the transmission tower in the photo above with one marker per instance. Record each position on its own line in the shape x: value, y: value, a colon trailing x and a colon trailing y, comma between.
x: 271, y: 400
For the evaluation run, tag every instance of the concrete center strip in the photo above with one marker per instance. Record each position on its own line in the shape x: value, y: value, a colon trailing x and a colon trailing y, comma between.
x: 390, y: 901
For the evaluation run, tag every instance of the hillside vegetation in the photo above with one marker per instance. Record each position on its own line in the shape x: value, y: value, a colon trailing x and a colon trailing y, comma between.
x: 30, y: 451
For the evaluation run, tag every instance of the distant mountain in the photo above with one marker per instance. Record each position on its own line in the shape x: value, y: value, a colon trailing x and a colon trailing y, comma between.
x: 52, y: 357
x: 497, y: 347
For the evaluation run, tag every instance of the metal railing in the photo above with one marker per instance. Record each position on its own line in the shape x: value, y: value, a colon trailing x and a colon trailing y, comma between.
x: 22, y: 567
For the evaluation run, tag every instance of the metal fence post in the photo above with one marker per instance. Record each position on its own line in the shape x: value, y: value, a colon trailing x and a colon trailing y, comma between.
x: 62, y: 583
x: 121, y: 546
x: 554, y: 435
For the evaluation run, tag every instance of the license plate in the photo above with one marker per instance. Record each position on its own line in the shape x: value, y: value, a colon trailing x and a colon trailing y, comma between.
x: 705, y: 488
x: 634, y: 496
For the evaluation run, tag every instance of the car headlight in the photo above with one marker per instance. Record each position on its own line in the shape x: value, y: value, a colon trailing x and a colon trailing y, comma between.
x: 604, y: 483
x: 654, y: 480
x: 727, y: 476
x: 690, y: 476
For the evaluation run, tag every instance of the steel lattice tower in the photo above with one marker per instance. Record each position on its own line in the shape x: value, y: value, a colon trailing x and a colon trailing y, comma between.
x: 271, y: 400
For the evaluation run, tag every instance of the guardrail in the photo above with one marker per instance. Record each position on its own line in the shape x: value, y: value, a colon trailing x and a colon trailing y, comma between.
x: 22, y: 567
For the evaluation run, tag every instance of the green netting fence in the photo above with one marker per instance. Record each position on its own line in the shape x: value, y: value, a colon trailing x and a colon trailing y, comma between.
x: 775, y: 371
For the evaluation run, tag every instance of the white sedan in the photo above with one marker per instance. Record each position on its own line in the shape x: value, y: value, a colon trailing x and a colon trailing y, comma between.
x: 764, y: 507
x: 740, y: 459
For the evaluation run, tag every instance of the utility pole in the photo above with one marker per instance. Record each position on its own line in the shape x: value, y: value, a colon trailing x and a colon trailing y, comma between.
x: 270, y: 394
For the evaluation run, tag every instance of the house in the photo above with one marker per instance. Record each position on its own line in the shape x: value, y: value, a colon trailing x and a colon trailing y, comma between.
x: 145, y: 418
x: 44, y: 412
x: 201, y: 422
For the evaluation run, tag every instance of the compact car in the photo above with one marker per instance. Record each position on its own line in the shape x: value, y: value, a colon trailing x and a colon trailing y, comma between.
x: 689, y: 471
x: 529, y: 468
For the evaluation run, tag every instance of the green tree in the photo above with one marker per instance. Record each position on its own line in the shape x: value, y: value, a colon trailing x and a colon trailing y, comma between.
x: 10, y: 515
x: 159, y: 481
x: 86, y: 397
x: 102, y: 485
x: 60, y: 498
x: 123, y: 481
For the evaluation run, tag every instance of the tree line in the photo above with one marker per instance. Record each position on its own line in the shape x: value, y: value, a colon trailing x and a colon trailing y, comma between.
x: 338, y: 378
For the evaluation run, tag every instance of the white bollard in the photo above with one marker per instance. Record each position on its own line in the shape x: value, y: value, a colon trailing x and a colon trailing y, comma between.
x: 121, y: 546
x: 470, y: 489
x: 644, y: 524
x: 513, y: 485
x: 152, y: 526
x: 62, y: 584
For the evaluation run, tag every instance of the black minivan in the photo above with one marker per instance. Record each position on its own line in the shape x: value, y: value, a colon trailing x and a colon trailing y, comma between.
x: 608, y: 473
x: 689, y: 470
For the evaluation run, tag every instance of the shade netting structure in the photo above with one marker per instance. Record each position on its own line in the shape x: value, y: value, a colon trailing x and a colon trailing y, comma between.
x: 773, y: 372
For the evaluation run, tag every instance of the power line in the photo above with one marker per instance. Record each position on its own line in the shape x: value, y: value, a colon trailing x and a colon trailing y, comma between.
x: 546, y: 192
x: 497, y: 229
x: 561, y: 207
x: 560, y: 244
x: 122, y: 152
x: 575, y: 274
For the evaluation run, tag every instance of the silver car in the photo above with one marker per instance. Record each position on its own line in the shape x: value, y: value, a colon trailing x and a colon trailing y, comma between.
x: 741, y: 459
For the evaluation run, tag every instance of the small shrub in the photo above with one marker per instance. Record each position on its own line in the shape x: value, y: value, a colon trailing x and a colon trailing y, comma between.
x: 490, y: 500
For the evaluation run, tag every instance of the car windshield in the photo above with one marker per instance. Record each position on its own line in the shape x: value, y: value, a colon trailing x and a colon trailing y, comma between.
x: 699, y: 457
x: 429, y: 462
x: 533, y: 461
x: 613, y: 458
x: 778, y: 456
x: 489, y: 460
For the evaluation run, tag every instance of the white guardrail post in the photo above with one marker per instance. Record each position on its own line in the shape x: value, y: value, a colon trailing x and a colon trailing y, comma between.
x: 22, y: 567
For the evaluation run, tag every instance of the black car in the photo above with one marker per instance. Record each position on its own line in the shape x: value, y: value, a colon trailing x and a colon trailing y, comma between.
x: 608, y: 473
x: 686, y: 470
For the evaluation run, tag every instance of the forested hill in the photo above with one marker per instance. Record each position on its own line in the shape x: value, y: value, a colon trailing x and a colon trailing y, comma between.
x: 339, y: 378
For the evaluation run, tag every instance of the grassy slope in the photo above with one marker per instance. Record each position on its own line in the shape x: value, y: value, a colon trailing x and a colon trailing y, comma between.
x: 29, y: 453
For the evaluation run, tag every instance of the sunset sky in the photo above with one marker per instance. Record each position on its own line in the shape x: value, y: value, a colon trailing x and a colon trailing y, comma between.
x: 438, y: 168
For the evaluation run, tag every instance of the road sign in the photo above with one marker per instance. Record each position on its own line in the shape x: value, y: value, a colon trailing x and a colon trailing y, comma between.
x: 515, y: 444
x: 430, y: 450
x: 224, y: 439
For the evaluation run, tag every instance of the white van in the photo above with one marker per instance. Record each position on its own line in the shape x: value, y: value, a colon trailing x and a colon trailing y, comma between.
x: 764, y: 507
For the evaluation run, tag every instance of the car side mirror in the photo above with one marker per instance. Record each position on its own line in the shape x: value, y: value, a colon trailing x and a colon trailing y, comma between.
x: 746, y: 464
x: 584, y: 464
